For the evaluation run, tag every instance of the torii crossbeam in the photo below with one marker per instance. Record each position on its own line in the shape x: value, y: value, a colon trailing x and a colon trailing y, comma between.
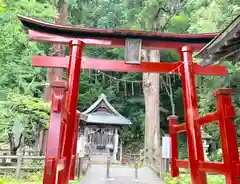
x: 61, y: 146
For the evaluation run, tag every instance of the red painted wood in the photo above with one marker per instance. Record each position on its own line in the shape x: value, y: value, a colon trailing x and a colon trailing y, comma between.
x: 209, y: 118
x: 224, y: 114
x: 120, y: 66
x: 180, y: 128
x: 195, y: 147
x: 108, y: 42
x: 73, y: 79
x: 210, y: 70
x: 61, y: 164
x: 114, y: 32
x: 214, y: 167
x: 51, y: 38
x: 174, y: 145
x: 55, y: 135
x: 182, y: 164
x: 74, y: 155
x: 228, y: 134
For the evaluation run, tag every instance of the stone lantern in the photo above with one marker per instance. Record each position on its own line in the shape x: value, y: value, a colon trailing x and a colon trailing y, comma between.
x: 206, y: 139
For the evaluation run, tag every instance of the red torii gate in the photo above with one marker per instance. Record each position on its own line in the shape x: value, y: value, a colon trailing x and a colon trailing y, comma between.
x: 61, y: 146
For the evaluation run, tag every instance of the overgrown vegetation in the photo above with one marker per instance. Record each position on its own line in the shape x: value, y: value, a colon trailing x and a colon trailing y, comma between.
x: 185, y: 179
x: 34, y: 178
x: 22, y: 86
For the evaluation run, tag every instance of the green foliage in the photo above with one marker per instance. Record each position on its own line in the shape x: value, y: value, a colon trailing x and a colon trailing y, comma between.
x: 16, y: 50
x: 185, y: 179
x: 206, y: 87
x: 19, y: 82
x: 22, y: 86
x: 32, y: 112
x: 3, y: 180
x: 1, y: 6
x: 211, y: 16
x: 34, y: 178
x: 216, y: 156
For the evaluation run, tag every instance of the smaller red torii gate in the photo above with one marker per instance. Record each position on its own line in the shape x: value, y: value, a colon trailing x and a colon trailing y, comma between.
x: 61, y: 146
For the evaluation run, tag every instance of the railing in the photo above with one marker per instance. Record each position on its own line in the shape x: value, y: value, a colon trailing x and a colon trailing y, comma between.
x: 83, y: 163
x: 19, y: 164
x: 155, y: 161
x: 224, y: 116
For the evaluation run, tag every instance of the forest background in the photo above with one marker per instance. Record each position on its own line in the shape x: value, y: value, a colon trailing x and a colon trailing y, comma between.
x: 22, y: 86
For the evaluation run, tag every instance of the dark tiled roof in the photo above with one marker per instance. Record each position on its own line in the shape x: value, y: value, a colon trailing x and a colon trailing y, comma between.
x: 102, y: 117
x: 225, y: 46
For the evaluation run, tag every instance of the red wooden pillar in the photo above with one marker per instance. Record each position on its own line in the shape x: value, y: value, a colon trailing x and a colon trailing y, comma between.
x: 174, y: 145
x: 193, y: 131
x: 55, y: 134
x: 74, y: 155
x: 73, y: 80
x: 228, y: 134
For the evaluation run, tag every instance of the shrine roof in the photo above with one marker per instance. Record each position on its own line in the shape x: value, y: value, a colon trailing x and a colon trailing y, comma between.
x: 58, y: 34
x: 225, y: 46
x: 109, y: 116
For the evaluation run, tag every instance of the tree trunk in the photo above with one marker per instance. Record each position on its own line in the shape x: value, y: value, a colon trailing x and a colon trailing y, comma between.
x: 151, y: 96
x: 14, y: 145
x: 57, y: 50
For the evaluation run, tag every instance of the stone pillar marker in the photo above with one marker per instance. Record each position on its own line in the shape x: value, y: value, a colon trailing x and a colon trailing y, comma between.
x: 121, y: 151
x: 206, y: 140
x: 116, y: 142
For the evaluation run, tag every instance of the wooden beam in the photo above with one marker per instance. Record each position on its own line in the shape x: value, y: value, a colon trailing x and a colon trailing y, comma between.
x: 121, y: 66
x: 180, y: 127
x: 214, y: 167
x: 109, y: 42
x: 182, y: 164
x: 229, y: 52
x: 207, y: 119
x: 151, y: 40
x: 224, y: 36
x: 230, y: 32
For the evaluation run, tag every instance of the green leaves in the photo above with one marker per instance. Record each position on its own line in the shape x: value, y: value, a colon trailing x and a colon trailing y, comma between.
x: 21, y: 86
x: 185, y: 179
x: 211, y: 16
x: 32, y: 112
x: 1, y: 6
x: 19, y: 81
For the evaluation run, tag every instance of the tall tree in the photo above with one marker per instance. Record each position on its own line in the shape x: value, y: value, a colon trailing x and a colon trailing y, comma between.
x: 57, y: 49
x: 162, y: 13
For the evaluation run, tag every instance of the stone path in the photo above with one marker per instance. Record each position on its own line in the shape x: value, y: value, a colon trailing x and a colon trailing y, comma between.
x: 120, y: 175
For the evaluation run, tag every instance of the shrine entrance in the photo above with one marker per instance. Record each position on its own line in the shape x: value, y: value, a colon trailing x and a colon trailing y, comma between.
x: 61, y: 152
x: 100, y: 129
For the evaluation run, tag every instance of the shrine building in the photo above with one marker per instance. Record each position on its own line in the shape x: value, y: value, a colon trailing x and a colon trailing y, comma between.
x: 100, y: 127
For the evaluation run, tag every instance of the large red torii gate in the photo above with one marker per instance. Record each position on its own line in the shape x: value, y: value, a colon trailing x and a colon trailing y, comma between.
x: 61, y: 146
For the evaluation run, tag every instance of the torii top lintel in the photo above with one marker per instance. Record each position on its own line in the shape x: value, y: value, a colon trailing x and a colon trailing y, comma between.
x: 52, y: 33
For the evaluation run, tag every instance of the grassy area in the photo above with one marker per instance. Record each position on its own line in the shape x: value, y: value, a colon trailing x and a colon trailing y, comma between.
x: 185, y: 179
x: 35, y: 178
x: 76, y: 181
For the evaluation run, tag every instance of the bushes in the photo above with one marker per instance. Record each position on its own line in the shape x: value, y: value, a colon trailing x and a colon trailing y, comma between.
x: 185, y: 179
x: 35, y: 178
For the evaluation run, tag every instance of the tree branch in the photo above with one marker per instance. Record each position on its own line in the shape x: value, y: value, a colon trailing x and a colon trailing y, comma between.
x: 19, y: 142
